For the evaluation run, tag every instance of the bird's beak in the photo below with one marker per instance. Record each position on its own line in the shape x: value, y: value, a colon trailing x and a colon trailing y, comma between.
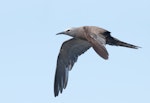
x: 61, y: 33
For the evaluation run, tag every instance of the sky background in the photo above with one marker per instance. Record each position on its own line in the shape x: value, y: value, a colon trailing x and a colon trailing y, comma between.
x: 29, y: 50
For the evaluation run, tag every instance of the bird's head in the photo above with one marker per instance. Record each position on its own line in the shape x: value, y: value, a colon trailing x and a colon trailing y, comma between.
x: 71, y: 32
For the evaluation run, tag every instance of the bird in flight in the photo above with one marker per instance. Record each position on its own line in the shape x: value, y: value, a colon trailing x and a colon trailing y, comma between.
x: 83, y: 38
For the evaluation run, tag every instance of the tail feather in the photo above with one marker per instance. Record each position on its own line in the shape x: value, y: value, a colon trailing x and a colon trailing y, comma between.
x: 113, y: 41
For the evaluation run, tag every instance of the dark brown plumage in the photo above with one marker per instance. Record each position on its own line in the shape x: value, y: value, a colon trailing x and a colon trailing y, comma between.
x: 83, y: 38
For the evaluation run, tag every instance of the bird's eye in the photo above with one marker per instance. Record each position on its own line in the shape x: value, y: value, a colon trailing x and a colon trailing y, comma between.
x: 68, y: 30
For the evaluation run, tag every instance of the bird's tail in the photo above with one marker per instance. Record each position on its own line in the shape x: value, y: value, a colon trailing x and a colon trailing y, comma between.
x: 113, y: 41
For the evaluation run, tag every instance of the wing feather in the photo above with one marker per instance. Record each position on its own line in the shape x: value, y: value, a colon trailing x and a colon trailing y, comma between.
x: 98, y: 43
x: 68, y: 55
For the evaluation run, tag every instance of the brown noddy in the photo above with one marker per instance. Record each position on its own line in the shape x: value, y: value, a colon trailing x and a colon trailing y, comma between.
x: 83, y: 38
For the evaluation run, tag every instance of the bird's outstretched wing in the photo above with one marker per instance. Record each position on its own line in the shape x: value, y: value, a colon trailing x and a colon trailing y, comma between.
x: 98, y: 43
x: 68, y: 55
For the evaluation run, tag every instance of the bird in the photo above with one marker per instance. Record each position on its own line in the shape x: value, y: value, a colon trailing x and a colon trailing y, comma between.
x: 83, y: 38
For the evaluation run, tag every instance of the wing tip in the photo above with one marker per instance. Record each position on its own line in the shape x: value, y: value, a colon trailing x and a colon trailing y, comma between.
x: 106, y: 58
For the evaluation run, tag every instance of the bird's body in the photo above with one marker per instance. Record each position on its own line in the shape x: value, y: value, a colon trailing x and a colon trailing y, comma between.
x: 83, y: 38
